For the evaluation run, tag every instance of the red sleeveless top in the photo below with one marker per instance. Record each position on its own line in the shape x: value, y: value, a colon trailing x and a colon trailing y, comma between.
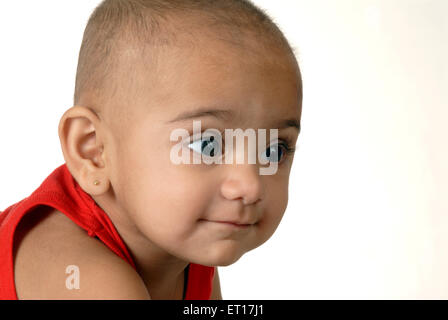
x: 61, y: 191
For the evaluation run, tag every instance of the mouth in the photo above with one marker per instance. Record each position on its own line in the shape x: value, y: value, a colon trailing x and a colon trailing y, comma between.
x: 231, y: 224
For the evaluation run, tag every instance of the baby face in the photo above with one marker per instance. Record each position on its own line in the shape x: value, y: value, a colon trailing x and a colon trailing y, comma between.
x: 209, y: 214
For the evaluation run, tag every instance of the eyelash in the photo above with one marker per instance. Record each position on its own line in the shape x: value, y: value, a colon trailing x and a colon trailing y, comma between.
x: 287, y: 144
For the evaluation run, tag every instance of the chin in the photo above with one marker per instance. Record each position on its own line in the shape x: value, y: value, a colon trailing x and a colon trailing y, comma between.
x: 220, y: 262
x: 222, y: 256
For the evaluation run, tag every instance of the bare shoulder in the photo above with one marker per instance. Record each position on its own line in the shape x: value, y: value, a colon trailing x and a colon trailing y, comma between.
x: 56, y: 259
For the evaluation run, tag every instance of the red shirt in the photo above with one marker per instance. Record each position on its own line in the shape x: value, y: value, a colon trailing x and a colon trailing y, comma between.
x: 61, y: 191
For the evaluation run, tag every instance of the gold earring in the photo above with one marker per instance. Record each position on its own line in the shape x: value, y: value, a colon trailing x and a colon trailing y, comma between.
x: 96, y: 182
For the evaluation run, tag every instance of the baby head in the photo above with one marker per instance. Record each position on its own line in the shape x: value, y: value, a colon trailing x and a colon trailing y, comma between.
x: 149, y: 67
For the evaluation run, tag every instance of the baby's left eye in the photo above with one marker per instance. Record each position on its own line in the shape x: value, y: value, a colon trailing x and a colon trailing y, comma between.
x: 275, y: 153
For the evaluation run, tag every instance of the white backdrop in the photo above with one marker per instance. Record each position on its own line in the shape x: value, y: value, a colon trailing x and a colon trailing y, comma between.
x: 368, y: 210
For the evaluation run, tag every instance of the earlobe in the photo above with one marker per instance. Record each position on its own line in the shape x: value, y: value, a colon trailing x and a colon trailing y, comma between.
x: 83, y: 150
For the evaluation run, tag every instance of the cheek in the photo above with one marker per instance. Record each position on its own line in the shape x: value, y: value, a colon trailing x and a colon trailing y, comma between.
x: 169, y: 199
x: 276, y: 204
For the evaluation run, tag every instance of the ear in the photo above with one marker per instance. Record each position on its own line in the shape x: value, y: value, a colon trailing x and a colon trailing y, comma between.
x: 83, y: 148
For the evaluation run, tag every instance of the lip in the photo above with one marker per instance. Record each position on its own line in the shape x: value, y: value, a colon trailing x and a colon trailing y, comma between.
x: 232, y: 224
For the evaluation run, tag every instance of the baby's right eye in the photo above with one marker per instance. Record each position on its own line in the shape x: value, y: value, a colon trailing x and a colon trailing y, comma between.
x: 209, y: 146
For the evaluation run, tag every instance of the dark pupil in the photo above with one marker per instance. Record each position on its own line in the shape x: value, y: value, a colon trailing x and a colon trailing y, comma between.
x: 275, y: 151
x: 206, y: 142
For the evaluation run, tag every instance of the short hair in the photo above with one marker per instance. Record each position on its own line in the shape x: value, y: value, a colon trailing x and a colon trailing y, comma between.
x: 137, y: 24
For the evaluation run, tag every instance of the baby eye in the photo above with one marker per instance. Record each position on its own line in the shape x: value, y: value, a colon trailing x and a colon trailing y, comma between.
x: 208, y: 146
x: 276, y: 152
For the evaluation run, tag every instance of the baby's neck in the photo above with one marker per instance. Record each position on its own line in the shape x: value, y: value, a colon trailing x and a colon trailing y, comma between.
x: 168, y: 291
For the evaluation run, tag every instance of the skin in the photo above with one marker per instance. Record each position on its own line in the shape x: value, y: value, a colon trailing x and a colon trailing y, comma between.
x: 166, y: 213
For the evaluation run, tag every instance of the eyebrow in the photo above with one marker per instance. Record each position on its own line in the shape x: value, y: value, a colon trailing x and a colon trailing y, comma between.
x: 226, y: 115
x: 220, y: 114
x: 289, y: 123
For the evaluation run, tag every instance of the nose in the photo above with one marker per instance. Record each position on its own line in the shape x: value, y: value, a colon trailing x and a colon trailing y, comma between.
x: 243, y: 182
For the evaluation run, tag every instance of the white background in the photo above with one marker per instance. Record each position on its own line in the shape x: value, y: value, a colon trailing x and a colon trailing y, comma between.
x: 368, y: 210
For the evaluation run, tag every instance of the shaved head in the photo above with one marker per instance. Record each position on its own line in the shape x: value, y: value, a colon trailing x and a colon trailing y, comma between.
x: 124, y: 41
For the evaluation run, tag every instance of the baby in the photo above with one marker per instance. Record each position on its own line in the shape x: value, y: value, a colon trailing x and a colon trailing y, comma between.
x: 120, y: 219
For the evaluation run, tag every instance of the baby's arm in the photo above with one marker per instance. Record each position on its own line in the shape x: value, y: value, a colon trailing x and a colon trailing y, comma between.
x: 48, y: 242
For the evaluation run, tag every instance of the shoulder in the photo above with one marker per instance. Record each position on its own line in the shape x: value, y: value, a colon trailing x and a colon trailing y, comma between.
x: 56, y: 259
